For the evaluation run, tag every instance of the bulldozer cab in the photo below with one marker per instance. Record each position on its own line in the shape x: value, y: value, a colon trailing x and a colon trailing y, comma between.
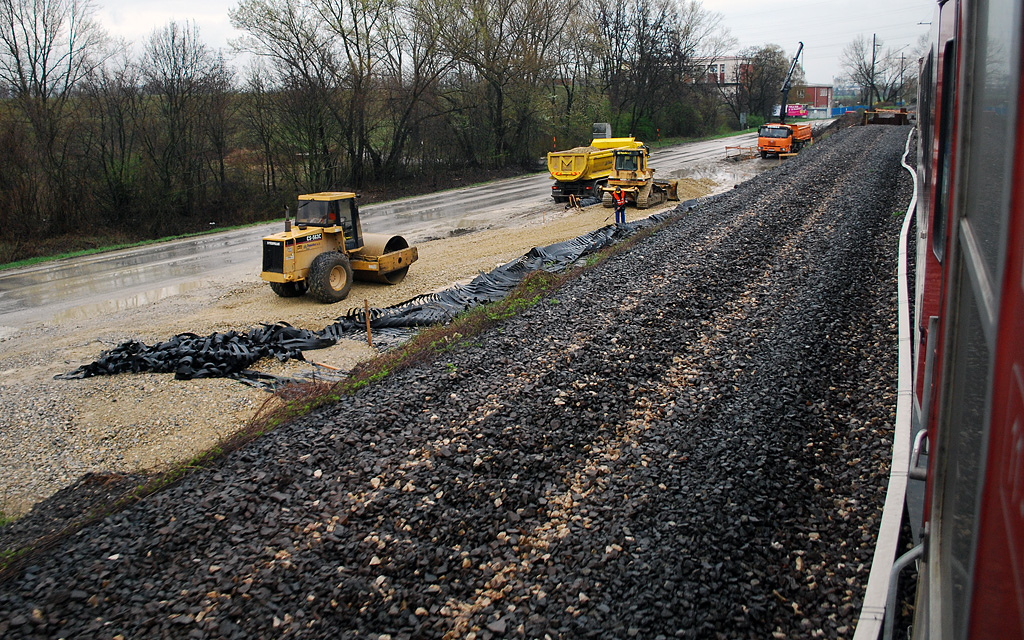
x: 331, y: 209
x: 631, y: 160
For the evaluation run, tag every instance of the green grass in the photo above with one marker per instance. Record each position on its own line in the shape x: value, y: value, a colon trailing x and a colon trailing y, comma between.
x: 117, y: 246
x: 10, y: 556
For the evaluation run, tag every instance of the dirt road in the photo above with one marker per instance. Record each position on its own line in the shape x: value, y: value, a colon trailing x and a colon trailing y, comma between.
x: 106, y: 283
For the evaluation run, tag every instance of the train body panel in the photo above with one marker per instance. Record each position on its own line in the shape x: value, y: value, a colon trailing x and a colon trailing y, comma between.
x: 969, y: 323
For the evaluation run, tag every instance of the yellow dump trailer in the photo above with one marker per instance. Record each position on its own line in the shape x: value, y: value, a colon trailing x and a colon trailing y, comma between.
x: 582, y: 171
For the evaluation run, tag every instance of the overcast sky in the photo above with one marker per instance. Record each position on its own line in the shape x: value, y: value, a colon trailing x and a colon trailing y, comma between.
x: 824, y: 26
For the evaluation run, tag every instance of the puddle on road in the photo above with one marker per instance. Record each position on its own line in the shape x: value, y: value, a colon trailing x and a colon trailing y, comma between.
x: 85, y: 311
x: 726, y: 175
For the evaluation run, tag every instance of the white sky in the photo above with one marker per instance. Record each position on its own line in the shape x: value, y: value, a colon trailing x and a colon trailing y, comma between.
x: 824, y: 26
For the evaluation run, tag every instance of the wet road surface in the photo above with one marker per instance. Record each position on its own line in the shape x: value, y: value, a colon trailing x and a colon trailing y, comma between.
x: 103, y: 283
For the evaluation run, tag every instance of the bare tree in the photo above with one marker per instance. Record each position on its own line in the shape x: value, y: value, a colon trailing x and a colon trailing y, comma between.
x: 505, y: 47
x: 259, y: 114
x: 186, y: 82
x: 878, y: 74
x: 574, y: 94
x: 411, y: 67
x: 365, y: 29
x: 47, y: 47
x: 756, y: 81
x: 219, y: 121
x: 651, y: 50
x: 292, y: 37
x: 113, y: 98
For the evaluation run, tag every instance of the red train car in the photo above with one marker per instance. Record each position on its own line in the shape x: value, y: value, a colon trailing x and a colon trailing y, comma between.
x: 967, y: 331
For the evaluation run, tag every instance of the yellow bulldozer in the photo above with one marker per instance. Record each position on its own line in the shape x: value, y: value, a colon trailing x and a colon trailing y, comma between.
x: 636, y: 179
x: 326, y: 248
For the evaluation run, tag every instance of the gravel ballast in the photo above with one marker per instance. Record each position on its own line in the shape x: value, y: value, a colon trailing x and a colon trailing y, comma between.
x: 690, y: 440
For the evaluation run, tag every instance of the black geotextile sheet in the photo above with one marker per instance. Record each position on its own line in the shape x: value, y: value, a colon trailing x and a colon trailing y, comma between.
x: 230, y: 354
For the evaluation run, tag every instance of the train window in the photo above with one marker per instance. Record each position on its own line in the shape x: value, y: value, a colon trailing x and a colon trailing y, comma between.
x: 964, y: 434
x: 926, y: 112
x: 990, y: 165
x: 947, y: 84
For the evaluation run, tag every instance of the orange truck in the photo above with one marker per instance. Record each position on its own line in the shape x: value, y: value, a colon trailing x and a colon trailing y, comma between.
x: 776, y: 138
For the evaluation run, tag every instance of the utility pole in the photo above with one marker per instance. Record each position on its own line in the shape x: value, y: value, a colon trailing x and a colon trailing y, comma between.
x: 871, y: 87
x: 900, y: 96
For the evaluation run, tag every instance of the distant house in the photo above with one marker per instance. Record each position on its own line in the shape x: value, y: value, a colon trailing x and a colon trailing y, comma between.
x: 815, y: 96
x: 724, y: 71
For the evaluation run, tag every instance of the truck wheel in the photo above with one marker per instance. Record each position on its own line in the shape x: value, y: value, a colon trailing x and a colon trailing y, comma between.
x: 330, y: 277
x: 764, y: 154
x: 289, y: 289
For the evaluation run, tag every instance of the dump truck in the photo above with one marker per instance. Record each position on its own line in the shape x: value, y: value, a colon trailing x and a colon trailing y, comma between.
x: 776, y: 138
x: 631, y: 173
x: 326, y: 249
x: 581, y: 172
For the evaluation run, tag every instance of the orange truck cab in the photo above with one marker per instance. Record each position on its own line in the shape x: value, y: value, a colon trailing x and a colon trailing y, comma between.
x: 783, y: 138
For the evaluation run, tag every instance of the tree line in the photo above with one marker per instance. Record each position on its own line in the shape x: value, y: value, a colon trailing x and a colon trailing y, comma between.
x: 96, y: 140
x: 884, y: 75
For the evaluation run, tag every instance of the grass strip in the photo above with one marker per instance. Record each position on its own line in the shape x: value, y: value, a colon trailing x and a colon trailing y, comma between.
x: 118, y: 246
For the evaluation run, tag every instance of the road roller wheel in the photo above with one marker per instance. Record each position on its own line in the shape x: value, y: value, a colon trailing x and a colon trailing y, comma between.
x: 606, y: 200
x: 396, y: 276
x: 330, y: 277
x: 289, y: 289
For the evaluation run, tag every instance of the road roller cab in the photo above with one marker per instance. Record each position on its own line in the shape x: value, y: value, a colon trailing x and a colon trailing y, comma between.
x: 326, y: 249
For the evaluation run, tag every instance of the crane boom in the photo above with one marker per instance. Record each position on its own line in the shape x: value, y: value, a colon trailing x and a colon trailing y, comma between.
x: 787, y: 84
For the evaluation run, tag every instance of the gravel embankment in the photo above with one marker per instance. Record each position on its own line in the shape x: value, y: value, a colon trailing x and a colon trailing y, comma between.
x: 52, y: 432
x: 689, y: 441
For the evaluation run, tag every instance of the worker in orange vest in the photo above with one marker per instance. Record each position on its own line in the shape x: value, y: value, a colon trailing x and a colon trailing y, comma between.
x: 620, y: 205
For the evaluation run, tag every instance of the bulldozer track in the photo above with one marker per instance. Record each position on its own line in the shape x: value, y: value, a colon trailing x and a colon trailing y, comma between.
x: 643, y: 197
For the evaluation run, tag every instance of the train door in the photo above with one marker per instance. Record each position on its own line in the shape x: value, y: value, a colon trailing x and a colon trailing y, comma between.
x: 976, y: 524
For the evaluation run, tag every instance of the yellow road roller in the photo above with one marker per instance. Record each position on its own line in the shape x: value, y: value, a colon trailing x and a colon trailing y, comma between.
x: 326, y: 248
